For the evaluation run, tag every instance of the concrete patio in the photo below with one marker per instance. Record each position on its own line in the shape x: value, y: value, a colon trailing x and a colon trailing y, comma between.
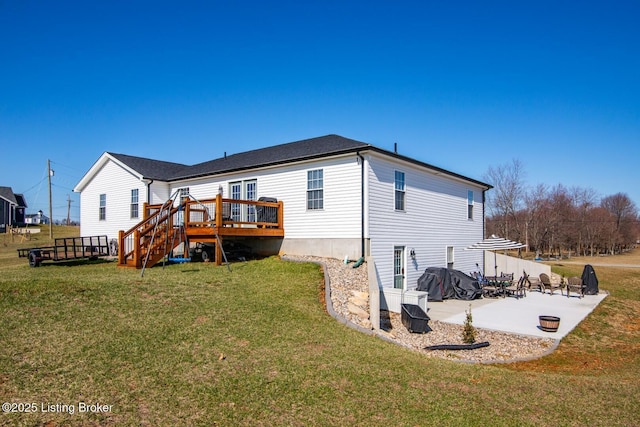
x: 519, y: 316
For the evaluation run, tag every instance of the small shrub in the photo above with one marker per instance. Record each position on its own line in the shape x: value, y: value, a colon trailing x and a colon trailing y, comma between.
x: 468, y: 332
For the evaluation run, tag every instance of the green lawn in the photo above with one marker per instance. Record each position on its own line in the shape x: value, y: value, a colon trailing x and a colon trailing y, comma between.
x: 195, y: 344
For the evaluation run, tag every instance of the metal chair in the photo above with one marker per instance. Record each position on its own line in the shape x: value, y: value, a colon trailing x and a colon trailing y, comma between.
x: 489, y: 289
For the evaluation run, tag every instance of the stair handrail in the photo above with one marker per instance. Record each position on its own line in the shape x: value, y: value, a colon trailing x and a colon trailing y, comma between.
x: 169, y: 206
x: 141, y: 230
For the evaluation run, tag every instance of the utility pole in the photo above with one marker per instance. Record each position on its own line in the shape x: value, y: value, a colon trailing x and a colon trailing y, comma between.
x: 69, y: 201
x: 50, y: 174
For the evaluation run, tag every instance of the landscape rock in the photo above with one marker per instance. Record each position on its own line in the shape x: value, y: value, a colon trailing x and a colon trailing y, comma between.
x: 349, y: 285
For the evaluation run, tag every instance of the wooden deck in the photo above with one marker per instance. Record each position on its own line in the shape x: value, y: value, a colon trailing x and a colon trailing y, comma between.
x: 166, y: 226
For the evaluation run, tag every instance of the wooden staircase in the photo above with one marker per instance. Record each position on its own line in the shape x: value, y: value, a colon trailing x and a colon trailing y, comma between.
x: 152, y: 239
x: 166, y: 226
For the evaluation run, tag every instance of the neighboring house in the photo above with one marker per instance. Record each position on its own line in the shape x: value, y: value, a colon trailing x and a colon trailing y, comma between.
x: 342, y: 198
x: 36, y: 219
x: 12, y: 209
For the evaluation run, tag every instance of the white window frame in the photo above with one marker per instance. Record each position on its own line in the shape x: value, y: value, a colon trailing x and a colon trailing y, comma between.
x: 399, y: 191
x: 102, y: 209
x: 315, y: 189
x: 450, y: 256
x: 235, y: 193
x: 135, y: 203
x: 399, y: 267
x: 184, y: 193
x: 243, y: 190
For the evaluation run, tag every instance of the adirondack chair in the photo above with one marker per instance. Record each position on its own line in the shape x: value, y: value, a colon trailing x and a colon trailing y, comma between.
x: 547, y: 284
x: 575, y: 284
x: 516, y: 289
x: 532, y: 282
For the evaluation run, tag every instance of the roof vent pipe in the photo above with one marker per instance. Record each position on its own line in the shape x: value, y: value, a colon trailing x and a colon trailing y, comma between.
x: 225, y: 154
x: 395, y: 147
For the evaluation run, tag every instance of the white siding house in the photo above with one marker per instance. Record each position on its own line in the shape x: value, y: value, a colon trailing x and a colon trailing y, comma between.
x: 428, y: 227
x: 341, y: 198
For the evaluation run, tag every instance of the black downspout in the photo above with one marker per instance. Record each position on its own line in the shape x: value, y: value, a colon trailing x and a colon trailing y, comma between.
x: 484, y: 218
x: 484, y: 224
x: 149, y: 192
x: 362, y: 238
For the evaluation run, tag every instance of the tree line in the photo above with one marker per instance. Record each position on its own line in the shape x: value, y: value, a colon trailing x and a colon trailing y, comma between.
x: 558, y: 220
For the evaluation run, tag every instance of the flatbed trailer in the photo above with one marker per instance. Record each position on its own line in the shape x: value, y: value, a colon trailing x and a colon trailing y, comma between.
x: 67, y: 249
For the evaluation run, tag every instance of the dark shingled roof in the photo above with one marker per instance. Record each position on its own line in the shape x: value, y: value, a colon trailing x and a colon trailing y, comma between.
x: 329, y: 145
x: 151, y: 169
x: 277, y: 154
x: 7, y: 194
x: 20, y: 200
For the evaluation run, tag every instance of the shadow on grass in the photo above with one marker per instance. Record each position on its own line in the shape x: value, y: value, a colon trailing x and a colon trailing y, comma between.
x: 75, y: 262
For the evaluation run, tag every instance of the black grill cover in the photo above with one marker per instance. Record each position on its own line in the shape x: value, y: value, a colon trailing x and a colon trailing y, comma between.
x: 443, y: 283
x: 590, y: 280
x: 267, y: 214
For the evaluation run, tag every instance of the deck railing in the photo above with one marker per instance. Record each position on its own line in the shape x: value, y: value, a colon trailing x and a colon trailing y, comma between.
x: 200, y: 218
x: 233, y: 213
x: 135, y: 243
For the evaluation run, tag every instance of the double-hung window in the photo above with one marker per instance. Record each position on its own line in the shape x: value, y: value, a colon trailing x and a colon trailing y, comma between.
x: 470, y: 204
x: 315, y: 189
x: 399, y: 191
x: 103, y: 207
x: 134, y: 203
x: 184, y: 193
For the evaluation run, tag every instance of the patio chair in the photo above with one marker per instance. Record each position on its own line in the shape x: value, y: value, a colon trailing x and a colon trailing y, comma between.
x: 532, y: 282
x: 489, y: 289
x: 516, y: 289
x: 575, y: 284
x: 507, y: 276
x: 547, y: 284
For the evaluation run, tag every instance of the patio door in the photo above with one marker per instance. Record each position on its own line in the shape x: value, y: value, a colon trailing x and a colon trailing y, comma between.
x: 243, y: 190
x: 398, y: 267
x: 450, y: 257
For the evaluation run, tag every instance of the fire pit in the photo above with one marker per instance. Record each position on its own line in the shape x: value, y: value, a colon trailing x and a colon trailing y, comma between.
x: 549, y: 323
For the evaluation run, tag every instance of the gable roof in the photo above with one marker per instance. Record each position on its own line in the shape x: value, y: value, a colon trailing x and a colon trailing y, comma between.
x: 7, y: 194
x: 149, y: 168
x: 21, y: 201
x: 275, y: 155
x: 307, y: 149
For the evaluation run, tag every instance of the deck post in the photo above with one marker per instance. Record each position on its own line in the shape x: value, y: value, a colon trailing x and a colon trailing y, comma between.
x: 218, y: 226
x: 136, y: 249
x: 218, y: 216
x: 121, y: 260
x: 218, y: 246
x: 280, y: 215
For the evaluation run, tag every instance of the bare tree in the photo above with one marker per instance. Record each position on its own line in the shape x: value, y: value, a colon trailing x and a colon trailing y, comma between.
x: 598, y: 230
x: 561, y: 210
x: 624, y: 213
x: 584, y: 199
x: 558, y: 219
x: 507, y: 196
x: 535, y: 224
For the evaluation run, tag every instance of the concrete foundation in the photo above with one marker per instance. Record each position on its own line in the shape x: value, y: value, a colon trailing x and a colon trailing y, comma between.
x: 331, y: 248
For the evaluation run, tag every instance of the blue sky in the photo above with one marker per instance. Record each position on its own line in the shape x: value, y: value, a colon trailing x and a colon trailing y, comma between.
x: 460, y: 85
